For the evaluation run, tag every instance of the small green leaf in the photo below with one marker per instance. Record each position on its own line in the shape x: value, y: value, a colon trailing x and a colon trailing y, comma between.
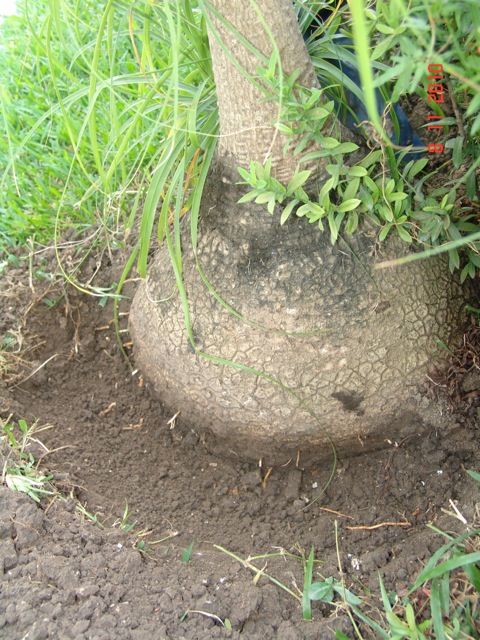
x: 346, y: 147
x: 186, y: 554
x: 390, y: 186
x: 288, y: 210
x: 307, y: 582
x: 386, y: 212
x: 410, y: 616
x: 287, y: 131
x: 404, y: 235
x: 453, y: 260
x: 322, y: 591
x: 315, y: 211
x: 327, y: 187
x: 297, y: 181
x: 458, y: 155
x: 352, y: 188
x: 333, y: 170
x: 367, y: 199
x: 372, y: 158
x: 318, y: 113
x: 245, y: 174
x: 418, y: 166
x: 329, y: 143
x: 357, y: 172
x: 265, y: 197
x: 382, y: 47
x: 397, y: 626
x: 371, y: 185
x: 314, y: 98
x: 397, y: 195
x: 383, y: 28
x: 474, y: 105
x: 384, y: 232
x: 251, y: 195
x: 313, y: 155
x: 474, y: 475
x: 332, y: 223
x: 352, y: 223
x: 348, y: 205
x: 350, y: 597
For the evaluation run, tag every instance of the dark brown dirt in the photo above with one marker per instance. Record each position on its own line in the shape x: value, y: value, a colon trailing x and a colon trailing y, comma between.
x: 64, y: 576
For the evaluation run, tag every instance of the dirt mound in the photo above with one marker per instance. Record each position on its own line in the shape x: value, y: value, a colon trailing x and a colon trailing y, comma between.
x: 65, y: 576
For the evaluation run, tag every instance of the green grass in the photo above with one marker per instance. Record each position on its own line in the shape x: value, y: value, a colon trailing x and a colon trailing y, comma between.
x: 187, y: 553
x: 104, y: 108
x: 20, y: 470
x: 35, y: 148
x: 94, y: 113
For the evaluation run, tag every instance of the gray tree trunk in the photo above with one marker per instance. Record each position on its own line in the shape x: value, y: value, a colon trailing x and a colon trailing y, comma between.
x: 247, y: 133
x: 246, y: 119
x: 337, y: 347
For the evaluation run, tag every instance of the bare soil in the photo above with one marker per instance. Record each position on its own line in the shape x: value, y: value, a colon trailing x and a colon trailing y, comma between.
x: 65, y: 576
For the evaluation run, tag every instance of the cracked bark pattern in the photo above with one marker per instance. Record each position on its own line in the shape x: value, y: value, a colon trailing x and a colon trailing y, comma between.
x: 371, y: 335
x: 376, y: 335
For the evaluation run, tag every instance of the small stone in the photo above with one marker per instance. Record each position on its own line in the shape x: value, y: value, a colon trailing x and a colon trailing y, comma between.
x: 11, y: 614
x: 8, y: 555
x: 471, y: 381
x: 87, y: 590
x: 39, y: 631
x: 80, y: 627
x: 132, y: 561
x: 107, y: 621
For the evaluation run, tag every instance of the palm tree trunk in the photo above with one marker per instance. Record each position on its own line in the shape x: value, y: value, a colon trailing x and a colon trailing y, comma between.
x: 246, y: 118
x: 368, y: 337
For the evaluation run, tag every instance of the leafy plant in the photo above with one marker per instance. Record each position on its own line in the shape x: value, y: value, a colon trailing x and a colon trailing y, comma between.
x: 399, y: 201
x: 20, y: 471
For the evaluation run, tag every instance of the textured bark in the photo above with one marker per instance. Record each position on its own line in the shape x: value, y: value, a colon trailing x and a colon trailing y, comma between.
x: 376, y: 336
x: 246, y: 129
x: 369, y: 336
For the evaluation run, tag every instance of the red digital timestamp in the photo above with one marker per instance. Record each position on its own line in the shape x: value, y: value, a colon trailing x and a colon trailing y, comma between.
x: 436, y: 93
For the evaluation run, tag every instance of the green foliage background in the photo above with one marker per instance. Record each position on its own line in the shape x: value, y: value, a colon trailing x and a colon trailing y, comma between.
x: 108, y: 106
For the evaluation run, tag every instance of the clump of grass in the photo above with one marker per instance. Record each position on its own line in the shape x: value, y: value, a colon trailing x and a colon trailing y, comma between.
x: 187, y: 553
x: 20, y: 470
x: 117, y: 109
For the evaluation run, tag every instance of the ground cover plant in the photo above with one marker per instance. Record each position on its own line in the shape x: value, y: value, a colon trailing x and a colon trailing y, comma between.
x: 123, y: 116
